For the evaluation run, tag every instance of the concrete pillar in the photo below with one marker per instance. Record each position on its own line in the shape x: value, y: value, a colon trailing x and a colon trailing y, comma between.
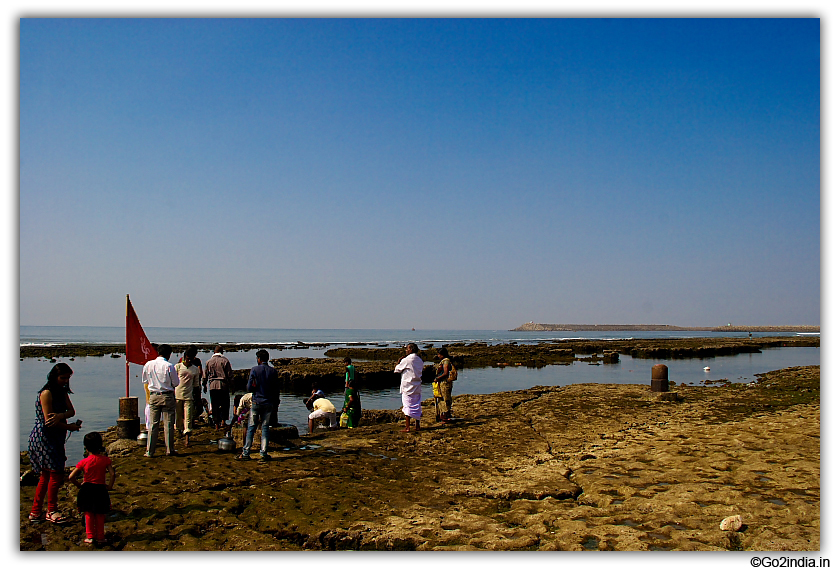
x: 659, y: 378
x: 128, y: 424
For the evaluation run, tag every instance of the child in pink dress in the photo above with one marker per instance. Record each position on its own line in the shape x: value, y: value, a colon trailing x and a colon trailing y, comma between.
x: 93, y: 499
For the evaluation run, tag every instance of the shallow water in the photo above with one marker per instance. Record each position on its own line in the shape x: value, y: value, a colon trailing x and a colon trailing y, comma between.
x: 99, y: 382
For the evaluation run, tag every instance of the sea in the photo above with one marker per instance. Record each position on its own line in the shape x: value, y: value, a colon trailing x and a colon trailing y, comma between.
x: 99, y: 381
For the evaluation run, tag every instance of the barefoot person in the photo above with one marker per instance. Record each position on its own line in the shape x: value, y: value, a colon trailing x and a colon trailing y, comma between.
x: 323, y: 410
x: 189, y: 376
x: 219, y: 376
x: 443, y: 379
x: 411, y: 368
x: 46, y: 441
x: 352, y: 404
x: 316, y: 394
x: 93, y: 499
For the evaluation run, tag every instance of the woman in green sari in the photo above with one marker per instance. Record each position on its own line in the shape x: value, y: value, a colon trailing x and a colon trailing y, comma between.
x: 352, y: 404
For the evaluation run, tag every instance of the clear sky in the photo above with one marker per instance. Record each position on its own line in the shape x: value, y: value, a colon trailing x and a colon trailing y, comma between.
x: 437, y: 174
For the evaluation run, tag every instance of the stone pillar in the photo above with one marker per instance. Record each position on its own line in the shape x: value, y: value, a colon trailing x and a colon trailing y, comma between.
x: 659, y: 378
x: 128, y: 424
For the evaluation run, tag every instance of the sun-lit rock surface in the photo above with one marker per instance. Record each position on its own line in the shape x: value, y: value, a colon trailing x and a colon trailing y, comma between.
x: 580, y: 467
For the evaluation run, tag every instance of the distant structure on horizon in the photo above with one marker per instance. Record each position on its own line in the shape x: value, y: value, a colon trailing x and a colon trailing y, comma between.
x: 532, y: 326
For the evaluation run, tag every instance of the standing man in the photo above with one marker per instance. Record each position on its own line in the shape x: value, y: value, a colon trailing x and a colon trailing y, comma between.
x: 160, y: 379
x: 411, y: 368
x: 219, y: 376
x: 264, y: 386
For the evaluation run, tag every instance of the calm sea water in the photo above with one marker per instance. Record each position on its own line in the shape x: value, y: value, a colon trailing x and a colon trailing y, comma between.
x: 30, y: 335
x: 99, y: 382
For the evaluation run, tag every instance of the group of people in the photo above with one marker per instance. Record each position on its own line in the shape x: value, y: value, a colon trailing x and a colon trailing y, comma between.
x: 47, y: 457
x: 322, y: 410
x: 411, y: 371
x: 173, y: 393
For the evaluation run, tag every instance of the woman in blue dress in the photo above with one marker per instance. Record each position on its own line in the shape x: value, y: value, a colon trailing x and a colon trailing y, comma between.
x: 46, y: 441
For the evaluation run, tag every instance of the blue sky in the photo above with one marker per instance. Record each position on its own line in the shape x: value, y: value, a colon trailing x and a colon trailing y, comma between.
x: 436, y: 173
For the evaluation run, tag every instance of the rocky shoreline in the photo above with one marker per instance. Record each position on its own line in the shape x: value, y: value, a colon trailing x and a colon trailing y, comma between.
x: 375, y: 364
x: 665, y: 328
x: 580, y: 467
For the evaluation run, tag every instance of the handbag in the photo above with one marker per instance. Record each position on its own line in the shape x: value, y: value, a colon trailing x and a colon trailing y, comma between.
x: 344, y: 419
x: 453, y: 373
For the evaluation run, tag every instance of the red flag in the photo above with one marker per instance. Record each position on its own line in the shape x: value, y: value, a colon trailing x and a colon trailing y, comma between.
x: 138, y: 349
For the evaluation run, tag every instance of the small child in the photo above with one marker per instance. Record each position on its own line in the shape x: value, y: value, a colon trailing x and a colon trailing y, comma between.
x: 242, y: 409
x: 93, y: 499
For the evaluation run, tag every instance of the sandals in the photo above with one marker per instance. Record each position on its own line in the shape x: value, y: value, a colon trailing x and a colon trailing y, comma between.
x: 56, y: 517
x: 36, y: 518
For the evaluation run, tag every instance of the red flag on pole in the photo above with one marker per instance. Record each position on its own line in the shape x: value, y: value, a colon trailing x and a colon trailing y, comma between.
x: 138, y: 349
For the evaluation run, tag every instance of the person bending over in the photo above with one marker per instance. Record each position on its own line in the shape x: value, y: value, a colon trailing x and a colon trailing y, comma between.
x: 316, y: 393
x: 324, y: 409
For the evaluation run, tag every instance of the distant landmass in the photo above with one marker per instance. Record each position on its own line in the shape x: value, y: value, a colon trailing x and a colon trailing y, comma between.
x: 725, y: 328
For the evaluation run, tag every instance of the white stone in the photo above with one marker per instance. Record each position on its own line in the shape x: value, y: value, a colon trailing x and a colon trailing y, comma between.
x: 731, y: 523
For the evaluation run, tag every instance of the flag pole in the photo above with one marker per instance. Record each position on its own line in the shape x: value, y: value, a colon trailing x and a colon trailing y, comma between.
x: 126, y: 345
x: 128, y: 424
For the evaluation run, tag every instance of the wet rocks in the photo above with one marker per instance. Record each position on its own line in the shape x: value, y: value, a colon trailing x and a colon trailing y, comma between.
x: 122, y: 447
x: 280, y: 435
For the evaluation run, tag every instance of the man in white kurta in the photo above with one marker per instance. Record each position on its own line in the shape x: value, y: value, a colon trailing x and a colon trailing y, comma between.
x: 411, y: 368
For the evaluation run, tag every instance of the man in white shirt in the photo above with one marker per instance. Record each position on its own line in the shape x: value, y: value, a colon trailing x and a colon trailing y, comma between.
x: 160, y: 378
x: 411, y: 368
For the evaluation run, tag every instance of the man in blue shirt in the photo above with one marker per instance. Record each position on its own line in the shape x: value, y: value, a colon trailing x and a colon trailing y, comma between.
x: 264, y: 384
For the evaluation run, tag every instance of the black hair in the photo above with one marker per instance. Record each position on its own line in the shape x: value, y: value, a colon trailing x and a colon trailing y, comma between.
x: 443, y: 352
x: 93, y: 442
x: 262, y: 354
x: 413, y: 348
x: 190, y: 354
x: 52, y: 385
x: 165, y: 351
x: 347, y: 360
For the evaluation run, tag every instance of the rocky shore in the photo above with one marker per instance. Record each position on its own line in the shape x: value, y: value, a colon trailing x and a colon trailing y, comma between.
x: 580, y: 467
x: 375, y: 364
x: 666, y: 328
x: 481, y: 354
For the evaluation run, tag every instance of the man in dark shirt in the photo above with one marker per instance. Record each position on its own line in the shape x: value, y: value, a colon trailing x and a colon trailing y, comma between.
x: 264, y: 384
